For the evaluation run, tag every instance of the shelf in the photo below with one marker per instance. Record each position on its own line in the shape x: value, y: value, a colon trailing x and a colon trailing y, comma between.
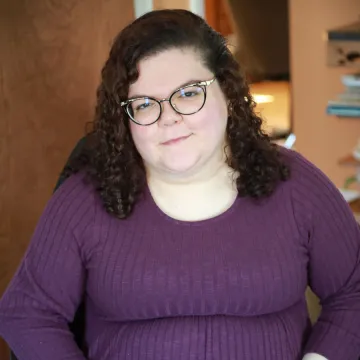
x: 343, y: 46
x: 349, y: 160
x: 340, y: 116
x: 355, y: 206
x: 344, y: 111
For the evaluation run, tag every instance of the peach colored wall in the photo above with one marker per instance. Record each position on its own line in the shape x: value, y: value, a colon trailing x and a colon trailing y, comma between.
x: 321, y: 138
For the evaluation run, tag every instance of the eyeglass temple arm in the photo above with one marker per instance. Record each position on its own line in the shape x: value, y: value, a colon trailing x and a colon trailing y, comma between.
x: 207, y: 83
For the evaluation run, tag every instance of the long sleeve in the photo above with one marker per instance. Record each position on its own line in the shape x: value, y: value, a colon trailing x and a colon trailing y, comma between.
x: 48, y: 286
x: 333, y: 246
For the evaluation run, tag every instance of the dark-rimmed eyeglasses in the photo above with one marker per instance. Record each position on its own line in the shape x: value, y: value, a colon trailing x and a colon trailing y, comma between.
x: 186, y: 100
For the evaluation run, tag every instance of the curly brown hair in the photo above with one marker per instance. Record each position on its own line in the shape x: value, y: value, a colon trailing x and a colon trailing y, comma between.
x: 111, y: 158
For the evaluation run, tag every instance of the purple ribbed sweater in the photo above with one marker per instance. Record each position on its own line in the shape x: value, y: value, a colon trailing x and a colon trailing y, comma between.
x: 227, y: 288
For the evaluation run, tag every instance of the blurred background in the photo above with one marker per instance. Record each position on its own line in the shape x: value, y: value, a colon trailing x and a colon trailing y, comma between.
x: 303, y: 79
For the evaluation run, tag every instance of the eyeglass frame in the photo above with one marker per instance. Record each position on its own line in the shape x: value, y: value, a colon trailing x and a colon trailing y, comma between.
x: 203, y: 84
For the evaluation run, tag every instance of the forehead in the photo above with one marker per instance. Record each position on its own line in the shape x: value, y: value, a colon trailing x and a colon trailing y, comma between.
x: 163, y: 73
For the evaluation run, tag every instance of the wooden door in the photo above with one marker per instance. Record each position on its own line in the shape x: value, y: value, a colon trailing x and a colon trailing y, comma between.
x: 218, y: 16
x: 51, y: 55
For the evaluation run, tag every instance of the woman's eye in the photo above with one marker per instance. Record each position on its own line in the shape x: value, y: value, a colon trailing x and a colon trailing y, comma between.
x: 187, y: 94
x: 143, y: 106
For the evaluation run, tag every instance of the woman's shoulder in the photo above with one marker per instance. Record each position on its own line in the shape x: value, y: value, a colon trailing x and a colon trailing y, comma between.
x: 304, y: 173
x: 311, y: 189
x: 76, y: 198
x: 77, y: 186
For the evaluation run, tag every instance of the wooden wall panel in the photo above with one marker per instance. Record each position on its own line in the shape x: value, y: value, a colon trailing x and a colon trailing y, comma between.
x: 262, y: 29
x: 219, y: 16
x: 50, y: 60
x: 170, y: 4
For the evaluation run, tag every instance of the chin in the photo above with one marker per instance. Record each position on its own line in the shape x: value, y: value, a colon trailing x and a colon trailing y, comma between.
x: 179, y: 170
x: 180, y: 167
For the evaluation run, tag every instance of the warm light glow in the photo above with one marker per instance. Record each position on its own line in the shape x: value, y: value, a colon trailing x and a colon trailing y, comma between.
x: 272, y: 100
x: 263, y: 99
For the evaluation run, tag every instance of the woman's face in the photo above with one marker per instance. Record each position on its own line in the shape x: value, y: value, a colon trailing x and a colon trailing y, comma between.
x: 179, y: 144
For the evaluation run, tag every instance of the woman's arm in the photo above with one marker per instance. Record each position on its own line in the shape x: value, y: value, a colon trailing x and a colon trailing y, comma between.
x: 332, y: 238
x: 46, y: 290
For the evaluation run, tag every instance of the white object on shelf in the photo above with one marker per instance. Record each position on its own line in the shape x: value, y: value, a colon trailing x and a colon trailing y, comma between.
x: 350, y: 195
x: 351, y: 80
x: 290, y: 141
x: 356, y: 152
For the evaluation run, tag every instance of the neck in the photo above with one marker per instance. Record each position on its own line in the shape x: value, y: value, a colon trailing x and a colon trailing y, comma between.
x: 196, y: 197
x: 210, y: 172
x: 214, y: 177
x: 220, y: 173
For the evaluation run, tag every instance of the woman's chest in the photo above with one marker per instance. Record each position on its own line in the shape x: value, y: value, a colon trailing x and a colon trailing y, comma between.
x: 166, y: 271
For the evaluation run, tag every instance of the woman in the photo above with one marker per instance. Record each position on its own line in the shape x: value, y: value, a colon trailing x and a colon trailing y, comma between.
x: 186, y: 232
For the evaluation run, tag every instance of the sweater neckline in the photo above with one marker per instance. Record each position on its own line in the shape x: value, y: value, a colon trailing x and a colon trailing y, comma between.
x: 224, y: 215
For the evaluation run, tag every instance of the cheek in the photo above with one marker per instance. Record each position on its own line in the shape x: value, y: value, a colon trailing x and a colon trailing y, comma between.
x: 142, y: 136
x: 211, y: 120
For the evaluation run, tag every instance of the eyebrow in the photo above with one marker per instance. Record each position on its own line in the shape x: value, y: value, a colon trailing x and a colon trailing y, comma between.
x: 190, y: 82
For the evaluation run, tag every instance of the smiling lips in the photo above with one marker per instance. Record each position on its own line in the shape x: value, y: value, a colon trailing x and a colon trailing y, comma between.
x: 176, y: 140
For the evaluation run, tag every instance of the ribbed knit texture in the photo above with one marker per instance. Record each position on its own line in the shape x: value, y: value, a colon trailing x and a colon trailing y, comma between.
x: 227, y: 288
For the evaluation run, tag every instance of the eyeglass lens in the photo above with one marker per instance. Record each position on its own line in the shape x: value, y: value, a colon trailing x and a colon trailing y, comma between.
x: 186, y: 101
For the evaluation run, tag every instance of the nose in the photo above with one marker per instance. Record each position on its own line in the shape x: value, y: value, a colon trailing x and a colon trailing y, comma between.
x: 168, y: 115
